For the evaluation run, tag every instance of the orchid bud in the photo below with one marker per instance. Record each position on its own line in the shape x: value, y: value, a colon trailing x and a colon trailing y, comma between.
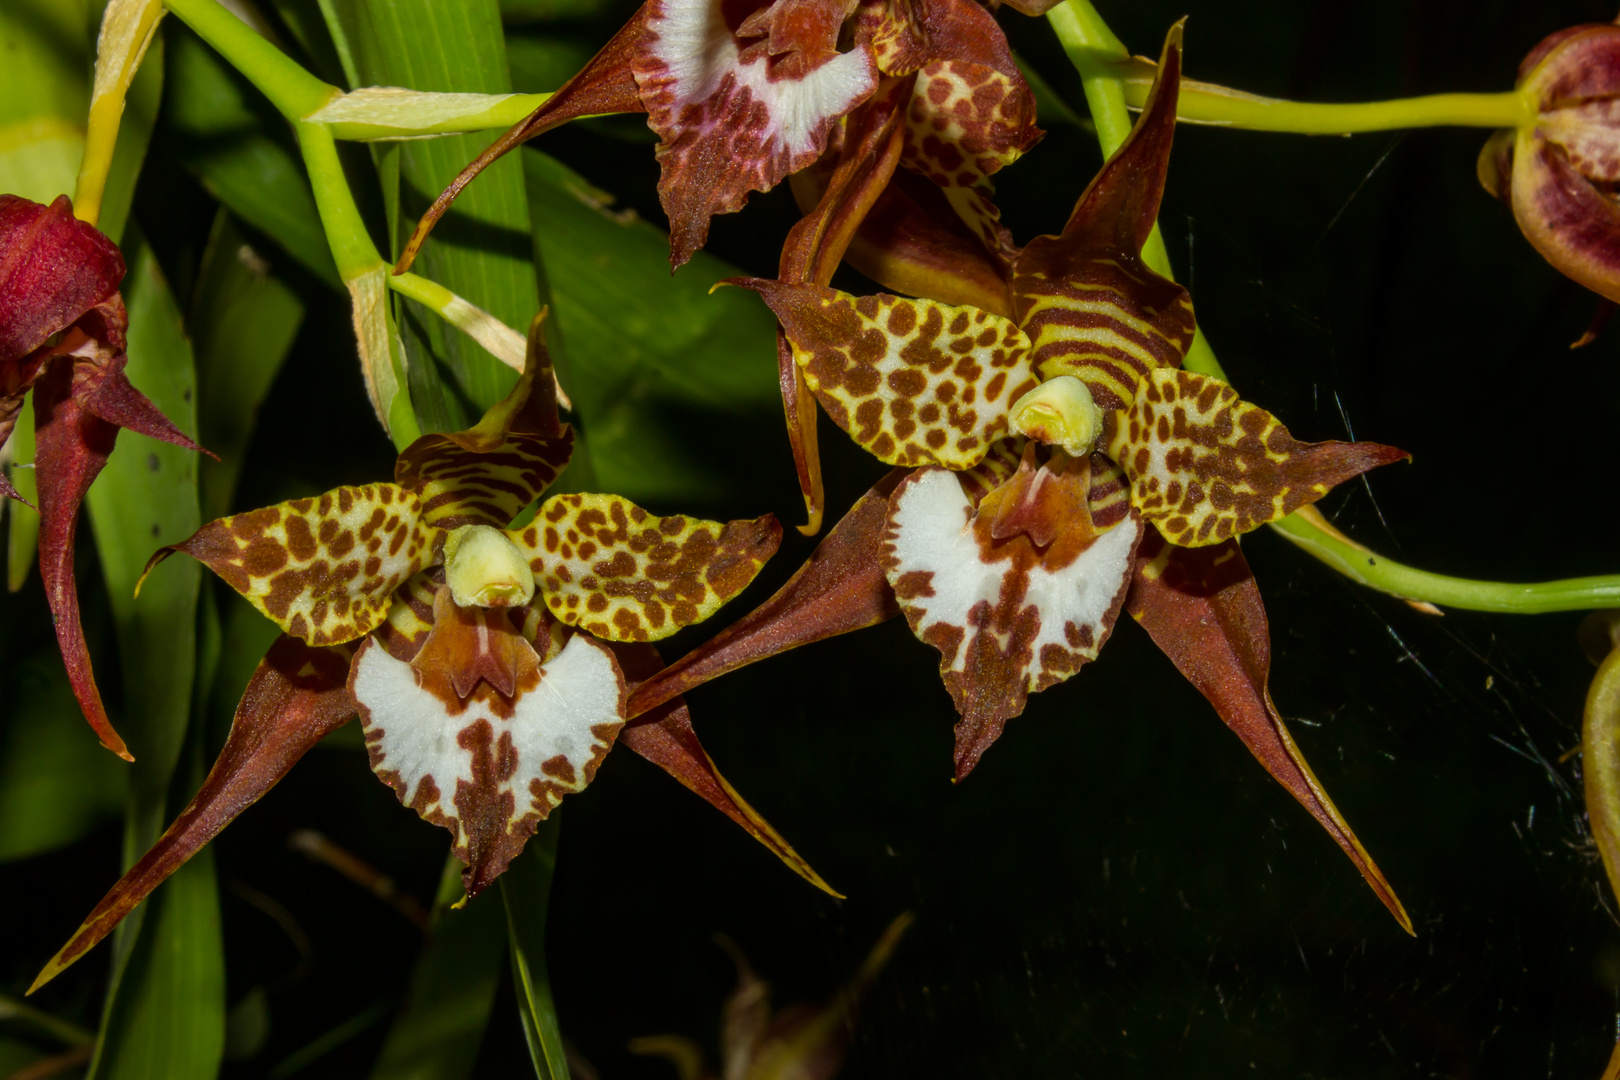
x: 1558, y: 168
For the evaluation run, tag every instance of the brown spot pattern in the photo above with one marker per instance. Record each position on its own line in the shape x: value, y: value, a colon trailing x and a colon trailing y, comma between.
x: 1205, y: 466
x: 461, y: 483
x: 323, y: 569
x: 609, y: 567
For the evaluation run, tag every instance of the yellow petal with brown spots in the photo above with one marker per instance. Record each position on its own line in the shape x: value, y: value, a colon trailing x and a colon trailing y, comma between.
x: 916, y: 382
x: 609, y: 567
x: 323, y: 569
x: 1205, y: 465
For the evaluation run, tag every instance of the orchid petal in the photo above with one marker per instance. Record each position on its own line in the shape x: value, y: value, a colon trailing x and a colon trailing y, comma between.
x: 607, y: 566
x: 839, y: 589
x: 488, y: 766
x: 911, y: 242
x: 1572, y: 223
x: 1205, y: 465
x: 1007, y: 617
x: 868, y: 152
x: 665, y: 738
x: 323, y: 569
x: 1203, y: 610
x: 53, y: 268
x: 1090, y: 304
x: 487, y: 474
x: 915, y: 382
x: 733, y: 121
x: 604, y: 85
x: 295, y: 698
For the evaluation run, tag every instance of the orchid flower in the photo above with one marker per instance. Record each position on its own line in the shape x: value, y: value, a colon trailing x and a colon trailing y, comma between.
x: 489, y: 663
x: 742, y: 96
x: 1557, y: 170
x: 1057, y: 467
x: 62, y: 334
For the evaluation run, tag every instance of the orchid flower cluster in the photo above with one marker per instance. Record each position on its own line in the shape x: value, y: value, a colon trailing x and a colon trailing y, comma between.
x: 1058, y: 457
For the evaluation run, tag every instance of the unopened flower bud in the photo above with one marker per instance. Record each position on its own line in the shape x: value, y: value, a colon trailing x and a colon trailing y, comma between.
x: 485, y: 569
x: 1059, y: 412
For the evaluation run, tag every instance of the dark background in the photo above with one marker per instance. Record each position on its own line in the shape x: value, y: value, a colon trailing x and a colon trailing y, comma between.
x: 1119, y: 889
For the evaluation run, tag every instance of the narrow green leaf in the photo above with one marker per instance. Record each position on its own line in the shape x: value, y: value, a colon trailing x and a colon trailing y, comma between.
x: 452, y: 990
x: 240, y: 150
x: 134, y: 135
x: 482, y: 249
x: 526, y: 894
x: 652, y: 358
x: 243, y: 322
x: 56, y: 782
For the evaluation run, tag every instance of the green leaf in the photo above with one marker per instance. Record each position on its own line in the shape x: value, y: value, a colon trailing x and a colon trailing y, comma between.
x: 240, y: 150
x: 56, y: 781
x: 452, y: 990
x: 653, y: 358
x: 243, y: 322
x: 526, y: 893
x: 44, y: 95
x: 481, y: 249
x: 134, y: 136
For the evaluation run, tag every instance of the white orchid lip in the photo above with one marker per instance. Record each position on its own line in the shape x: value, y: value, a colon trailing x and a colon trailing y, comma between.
x: 1059, y: 412
x: 485, y: 569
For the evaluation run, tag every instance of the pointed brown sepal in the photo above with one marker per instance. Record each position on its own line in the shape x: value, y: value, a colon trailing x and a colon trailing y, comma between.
x: 604, y: 85
x: 869, y: 152
x: 72, y: 445
x: 664, y: 736
x: 1089, y: 303
x: 295, y: 698
x: 1202, y: 608
x: 53, y: 268
x: 841, y: 588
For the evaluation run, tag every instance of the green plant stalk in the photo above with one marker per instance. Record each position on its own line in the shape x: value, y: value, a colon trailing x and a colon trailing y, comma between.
x: 1101, y: 59
x: 1206, y: 103
x: 502, y: 112
x: 293, y: 91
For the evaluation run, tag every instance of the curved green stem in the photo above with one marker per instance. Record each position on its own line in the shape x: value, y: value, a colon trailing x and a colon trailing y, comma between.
x: 1207, y: 103
x: 292, y: 90
x: 346, y: 235
x: 1386, y: 575
x: 1101, y: 61
x: 372, y: 113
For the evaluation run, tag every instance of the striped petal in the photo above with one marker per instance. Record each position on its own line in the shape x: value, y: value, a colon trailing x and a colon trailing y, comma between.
x: 1009, y: 615
x: 609, y: 567
x: 913, y: 381
x: 1090, y: 305
x: 323, y: 569
x: 487, y: 474
x: 737, y: 116
x: 488, y: 763
x: 1205, y: 466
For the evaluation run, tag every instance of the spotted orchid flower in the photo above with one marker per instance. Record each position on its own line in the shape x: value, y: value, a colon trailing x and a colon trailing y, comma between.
x: 1056, y: 466
x: 744, y: 95
x: 1558, y: 170
x: 490, y: 663
x: 63, y: 336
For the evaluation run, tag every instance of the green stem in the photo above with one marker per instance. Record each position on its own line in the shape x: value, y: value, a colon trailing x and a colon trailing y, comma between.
x: 353, y: 119
x: 292, y: 90
x: 1206, y: 103
x: 1101, y: 61
x: 346, y: 233
x: 1386, y: 575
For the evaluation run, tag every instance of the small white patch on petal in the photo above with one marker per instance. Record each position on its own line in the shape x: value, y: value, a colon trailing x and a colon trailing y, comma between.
x: 929, y: 524
x: 800, y: 108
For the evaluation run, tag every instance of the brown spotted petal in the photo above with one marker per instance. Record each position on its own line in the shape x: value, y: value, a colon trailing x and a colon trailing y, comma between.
x: 840, y: 588
x: 914, y: 381
x: 323, y: 569
x: 1205, y: 466
x: 609, y: 567
x: 1009, y: 616
x: 734, y: 118
x: 1203, y: 609
x: 486, y: 762
x: 665, y: 737
x: 1089, y: 303
x: 487, y: 474
x: 295, y: 698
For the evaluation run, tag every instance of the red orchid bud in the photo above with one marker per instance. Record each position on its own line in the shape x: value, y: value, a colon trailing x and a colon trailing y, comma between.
x: 1559, y: 169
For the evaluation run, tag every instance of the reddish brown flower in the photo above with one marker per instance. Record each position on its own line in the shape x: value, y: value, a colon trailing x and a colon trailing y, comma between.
x: 62, y: 334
